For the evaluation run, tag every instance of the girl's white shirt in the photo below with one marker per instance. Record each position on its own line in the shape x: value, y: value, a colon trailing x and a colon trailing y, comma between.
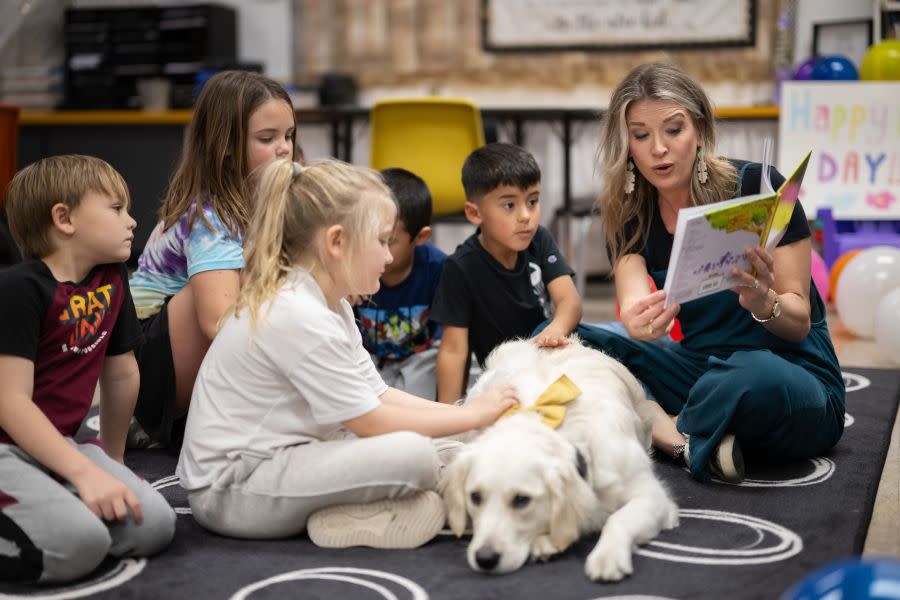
x: 303, y: 372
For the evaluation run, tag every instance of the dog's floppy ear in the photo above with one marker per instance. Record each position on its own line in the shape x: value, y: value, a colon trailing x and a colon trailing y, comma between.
x: 453, y: 488
x: 564, y: 516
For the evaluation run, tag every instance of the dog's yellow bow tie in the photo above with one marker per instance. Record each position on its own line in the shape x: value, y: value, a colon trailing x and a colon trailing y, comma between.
x: 551, y: 403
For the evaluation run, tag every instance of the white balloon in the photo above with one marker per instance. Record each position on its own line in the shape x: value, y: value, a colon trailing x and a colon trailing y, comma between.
x: 887, y: 330
x: 865, y: 280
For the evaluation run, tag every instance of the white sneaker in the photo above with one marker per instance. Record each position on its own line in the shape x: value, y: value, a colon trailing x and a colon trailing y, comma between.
x: 403, y: 523
x: 726, y: 463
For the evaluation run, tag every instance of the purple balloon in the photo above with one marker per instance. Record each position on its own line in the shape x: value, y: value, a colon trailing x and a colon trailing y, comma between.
x: 834, y: 68
x: 804, y: 71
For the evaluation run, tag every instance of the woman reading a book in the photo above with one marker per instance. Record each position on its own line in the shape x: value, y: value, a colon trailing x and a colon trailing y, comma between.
x: 756, y: 371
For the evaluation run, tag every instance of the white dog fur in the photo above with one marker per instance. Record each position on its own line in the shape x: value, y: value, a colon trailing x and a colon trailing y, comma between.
x: 531, y: 491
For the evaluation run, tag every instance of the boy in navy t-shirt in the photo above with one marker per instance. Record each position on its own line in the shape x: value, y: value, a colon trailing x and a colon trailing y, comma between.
x: 67, y: 322
x: 395, y: 322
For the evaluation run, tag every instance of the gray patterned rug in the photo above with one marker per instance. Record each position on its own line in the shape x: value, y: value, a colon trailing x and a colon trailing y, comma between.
x: 749, y: 541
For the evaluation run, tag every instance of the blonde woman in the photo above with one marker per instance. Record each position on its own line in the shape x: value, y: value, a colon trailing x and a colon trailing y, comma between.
x: 288, y: 369
x: 756, y: 372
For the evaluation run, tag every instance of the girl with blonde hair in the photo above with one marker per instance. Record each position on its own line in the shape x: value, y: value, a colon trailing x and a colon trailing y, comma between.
x: 756, y: 372
x: 188, y: 273
x: 288, y: 369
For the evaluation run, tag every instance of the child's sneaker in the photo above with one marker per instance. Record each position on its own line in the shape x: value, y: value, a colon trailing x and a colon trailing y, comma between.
x: 137, y: 438
x: 402, y: 523
x: 726, y: 463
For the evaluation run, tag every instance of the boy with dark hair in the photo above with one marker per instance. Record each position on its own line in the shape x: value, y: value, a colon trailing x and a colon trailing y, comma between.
x: 67, y: 321
x: 509, y: 276
x: 395, y: 322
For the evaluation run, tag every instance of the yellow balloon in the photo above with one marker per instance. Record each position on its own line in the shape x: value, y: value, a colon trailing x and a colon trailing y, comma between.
x: 881, y: 62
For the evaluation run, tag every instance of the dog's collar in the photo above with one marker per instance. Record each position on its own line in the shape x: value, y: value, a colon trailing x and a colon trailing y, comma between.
x: 551, y: 403
x: 581, y: 464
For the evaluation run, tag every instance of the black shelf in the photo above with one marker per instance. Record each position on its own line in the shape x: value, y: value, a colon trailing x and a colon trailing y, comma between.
x: 108, y: 50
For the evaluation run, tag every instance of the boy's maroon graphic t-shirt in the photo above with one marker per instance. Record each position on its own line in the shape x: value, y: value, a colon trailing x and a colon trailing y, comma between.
x: 66, y: 329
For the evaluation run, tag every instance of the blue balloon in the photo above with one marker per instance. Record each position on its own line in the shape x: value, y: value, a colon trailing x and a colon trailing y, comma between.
x: 859, y: 579
x: 834, y: 68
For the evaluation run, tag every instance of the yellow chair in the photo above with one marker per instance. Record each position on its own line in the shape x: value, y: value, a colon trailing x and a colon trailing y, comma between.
x: 430, y: 137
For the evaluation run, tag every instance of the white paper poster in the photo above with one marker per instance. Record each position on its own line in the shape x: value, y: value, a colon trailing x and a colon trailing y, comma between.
x: 853, y: 129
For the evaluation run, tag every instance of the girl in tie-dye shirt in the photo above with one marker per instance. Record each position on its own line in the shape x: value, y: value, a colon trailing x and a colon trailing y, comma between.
x: 189, y: 272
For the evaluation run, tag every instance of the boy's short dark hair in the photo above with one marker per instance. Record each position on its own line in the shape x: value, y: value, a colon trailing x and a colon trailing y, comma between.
x: 493, y: 165
x: 413, y: 198
x: 65, y: 179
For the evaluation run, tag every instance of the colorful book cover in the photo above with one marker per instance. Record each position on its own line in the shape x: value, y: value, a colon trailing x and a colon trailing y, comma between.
x: 709, y: 240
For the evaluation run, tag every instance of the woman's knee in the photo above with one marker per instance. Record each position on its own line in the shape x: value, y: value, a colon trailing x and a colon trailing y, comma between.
x: 759, y: 376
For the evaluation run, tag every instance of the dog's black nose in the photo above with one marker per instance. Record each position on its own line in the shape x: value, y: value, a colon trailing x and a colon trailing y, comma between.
x: 487, y: 558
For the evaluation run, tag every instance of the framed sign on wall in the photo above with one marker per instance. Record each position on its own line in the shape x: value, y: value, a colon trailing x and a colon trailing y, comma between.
x: 557, y: 25
x: 845, y: 38
x: 853, y: 129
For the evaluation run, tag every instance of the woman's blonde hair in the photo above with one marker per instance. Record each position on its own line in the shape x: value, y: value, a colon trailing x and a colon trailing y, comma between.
x: 653, y: 81
x: 292, y: 205
x: 213, y: 162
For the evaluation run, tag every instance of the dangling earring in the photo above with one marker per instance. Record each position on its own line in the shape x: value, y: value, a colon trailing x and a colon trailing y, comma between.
x: 702, y: 175
x: 629, y: 177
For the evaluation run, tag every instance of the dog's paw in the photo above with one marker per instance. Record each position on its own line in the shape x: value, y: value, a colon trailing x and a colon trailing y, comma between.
x: 542, y: 549
x: 608, y: 562
x: 671, y: 517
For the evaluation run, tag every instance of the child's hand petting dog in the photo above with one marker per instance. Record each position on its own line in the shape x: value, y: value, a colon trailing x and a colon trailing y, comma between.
x: 550, y: 338
x: 488, y: 406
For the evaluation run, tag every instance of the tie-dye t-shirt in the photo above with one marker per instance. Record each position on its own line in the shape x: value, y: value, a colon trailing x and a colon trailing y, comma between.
x: 172, y: 257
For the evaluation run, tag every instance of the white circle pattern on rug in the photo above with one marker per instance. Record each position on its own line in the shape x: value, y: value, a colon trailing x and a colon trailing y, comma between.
x: 788, y: 543
x: 854, y: 382
x: 632, y: 597
x: 93, y: 422
x: 848, y: 419
x: 822, y: 470
x: 126, y: 570
x: 341, y: 574
x: 169, y: 482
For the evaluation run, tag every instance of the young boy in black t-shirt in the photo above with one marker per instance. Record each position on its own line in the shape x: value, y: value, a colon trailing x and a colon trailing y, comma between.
x: 509, y: 276
x: 67, y: 321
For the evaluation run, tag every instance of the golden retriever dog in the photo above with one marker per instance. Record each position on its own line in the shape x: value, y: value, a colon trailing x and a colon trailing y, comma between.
x: 531, y: 491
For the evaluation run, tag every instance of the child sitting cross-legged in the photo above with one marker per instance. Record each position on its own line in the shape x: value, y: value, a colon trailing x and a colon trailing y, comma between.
x: 288, y: 369
x: 508, y: 277
x: 395, y: 322
x: 67, y: 321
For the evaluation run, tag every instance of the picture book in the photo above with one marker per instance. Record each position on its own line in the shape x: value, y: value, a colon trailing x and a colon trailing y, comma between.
x: 709, y: 240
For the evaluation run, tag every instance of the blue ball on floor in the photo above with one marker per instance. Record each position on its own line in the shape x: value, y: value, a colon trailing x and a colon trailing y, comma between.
x: 859, y: 579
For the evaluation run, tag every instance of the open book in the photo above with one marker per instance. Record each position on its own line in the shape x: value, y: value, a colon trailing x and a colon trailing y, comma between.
x: 709, y: 240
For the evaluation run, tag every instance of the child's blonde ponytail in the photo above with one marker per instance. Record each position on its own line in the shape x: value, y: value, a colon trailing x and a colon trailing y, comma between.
x: 266, y: 262
x: 291, y: 205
